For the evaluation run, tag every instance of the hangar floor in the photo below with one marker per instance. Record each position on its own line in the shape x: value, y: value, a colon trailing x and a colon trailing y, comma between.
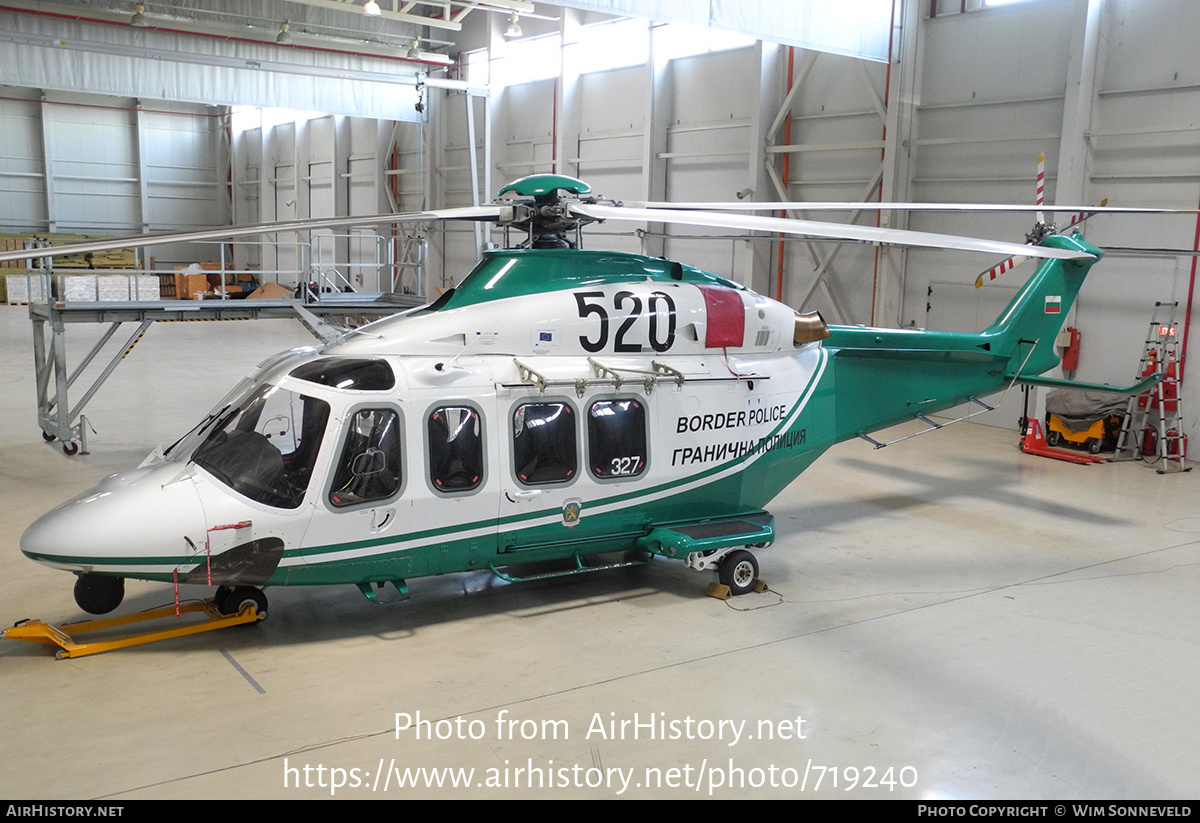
x: 948, y: 617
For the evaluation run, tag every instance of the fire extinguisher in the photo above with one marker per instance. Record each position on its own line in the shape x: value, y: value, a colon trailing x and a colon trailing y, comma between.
x: 1070, y: 356
x: 1176, y: 443
x: 1149, y: 442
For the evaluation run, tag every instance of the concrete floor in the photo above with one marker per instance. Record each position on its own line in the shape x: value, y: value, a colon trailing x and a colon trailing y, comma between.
x: 946, y: 613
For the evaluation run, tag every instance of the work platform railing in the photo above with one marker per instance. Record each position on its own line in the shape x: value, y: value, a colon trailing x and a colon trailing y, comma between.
x: 321, y: 286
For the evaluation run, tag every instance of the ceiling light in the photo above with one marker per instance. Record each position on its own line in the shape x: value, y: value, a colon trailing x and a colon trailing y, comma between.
x: 139, y: 16
x: 371, y: 9
x: 283, y: 38
x: 514, y: 26
x: 414, y: 51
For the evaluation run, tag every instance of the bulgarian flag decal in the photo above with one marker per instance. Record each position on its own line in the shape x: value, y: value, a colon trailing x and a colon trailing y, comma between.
x: 1054, y: 304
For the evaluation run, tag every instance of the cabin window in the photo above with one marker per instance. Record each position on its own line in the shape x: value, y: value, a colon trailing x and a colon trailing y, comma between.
x: 369, y: 467
x: 266, y: 447
x: 544, y: 448
x: 617, y: 438
x: 350, y: 373
x: 455, y: 449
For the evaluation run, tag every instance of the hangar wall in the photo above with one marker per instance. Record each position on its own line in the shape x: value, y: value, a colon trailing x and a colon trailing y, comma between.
x: 1108, y: 90
x: 89, y: 163
x: 1105, y: 89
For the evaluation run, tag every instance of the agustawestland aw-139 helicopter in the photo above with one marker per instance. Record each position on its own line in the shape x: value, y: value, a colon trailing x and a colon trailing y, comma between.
x: 557, y: 405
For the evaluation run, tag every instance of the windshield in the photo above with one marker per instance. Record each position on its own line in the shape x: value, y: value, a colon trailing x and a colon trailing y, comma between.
x: 264, y: 446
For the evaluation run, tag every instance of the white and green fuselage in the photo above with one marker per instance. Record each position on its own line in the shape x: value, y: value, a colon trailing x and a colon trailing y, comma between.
x: 557, y: 404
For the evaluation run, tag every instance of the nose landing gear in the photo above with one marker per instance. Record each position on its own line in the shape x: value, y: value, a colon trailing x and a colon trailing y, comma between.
x: 97, y: 594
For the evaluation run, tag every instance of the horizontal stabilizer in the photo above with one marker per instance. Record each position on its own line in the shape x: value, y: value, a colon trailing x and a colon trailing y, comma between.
x: 1054, y: 383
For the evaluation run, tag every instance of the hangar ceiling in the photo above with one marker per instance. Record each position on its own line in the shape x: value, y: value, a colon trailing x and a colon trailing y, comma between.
x: 208, y: 51
x: 856, y: 28
x: 237, y: 53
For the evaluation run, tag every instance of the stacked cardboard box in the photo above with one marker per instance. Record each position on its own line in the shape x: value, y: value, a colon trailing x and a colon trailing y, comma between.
x: 113, y: 259
x: 11, y: 243
x: 192, y: 282
x: 197, y: 280
x: 25, y: 288
x: 77, y: 288
x: 115, y: 287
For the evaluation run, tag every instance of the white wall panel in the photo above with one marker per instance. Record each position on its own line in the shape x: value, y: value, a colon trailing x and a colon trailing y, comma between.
x: 524, y: 129
x: 182, y: 185
x: 320, y: 171
x: 365, y: 163
x: 93, y: 167
x: 1004, y: 53
x: 22, y: 168
x: 715, y: 97
x: 112, y: 165
x: 834, y: 112
x: 610, y: 146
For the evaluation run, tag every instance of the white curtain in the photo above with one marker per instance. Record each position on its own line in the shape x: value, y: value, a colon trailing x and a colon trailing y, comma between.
x: 858, y: 28
x: 69, y: 55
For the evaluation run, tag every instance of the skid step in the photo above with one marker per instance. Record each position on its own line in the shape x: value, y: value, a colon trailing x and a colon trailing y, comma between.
x: 680, y: 540
x: 580, y: 568
x: 35, y: 631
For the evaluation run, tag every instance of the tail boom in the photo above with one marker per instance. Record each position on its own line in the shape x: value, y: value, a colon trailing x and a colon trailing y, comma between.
x: 887, y: 376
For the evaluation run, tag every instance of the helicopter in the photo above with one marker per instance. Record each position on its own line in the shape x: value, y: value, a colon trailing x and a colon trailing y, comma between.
x: 558, y: 404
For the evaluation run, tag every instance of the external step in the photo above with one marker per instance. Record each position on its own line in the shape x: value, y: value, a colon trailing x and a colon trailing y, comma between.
x: 681, y: 539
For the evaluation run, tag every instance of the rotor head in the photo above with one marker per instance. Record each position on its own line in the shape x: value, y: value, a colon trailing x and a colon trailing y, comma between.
x: 540, y: 205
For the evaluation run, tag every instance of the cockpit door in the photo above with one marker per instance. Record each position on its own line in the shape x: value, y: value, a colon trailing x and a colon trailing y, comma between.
x: 363, y: 512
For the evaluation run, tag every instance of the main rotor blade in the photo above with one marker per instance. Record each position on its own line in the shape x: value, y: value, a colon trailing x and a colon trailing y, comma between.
x: 813, y: 228
x: 226, y: 232
x: 800, y: 205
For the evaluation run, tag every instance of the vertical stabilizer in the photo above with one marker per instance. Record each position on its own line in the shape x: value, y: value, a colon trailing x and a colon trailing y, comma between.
x: 1035, y: 315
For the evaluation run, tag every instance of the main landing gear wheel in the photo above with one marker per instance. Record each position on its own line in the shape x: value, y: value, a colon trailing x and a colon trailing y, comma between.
x: 99, y: 595
x: 220, y: 596
x: 240, y: 596
x: 738, y: 571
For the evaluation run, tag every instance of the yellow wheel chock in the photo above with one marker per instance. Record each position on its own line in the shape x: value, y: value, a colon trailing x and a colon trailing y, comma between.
x: 35, y: 631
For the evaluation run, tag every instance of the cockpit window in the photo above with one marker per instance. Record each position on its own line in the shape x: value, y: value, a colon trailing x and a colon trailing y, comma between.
x: 265, y: 448
x: 352, y: 373
x: 369, y: 468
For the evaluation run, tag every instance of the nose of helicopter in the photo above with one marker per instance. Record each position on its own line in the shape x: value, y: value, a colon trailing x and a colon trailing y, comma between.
x: 133, y: 523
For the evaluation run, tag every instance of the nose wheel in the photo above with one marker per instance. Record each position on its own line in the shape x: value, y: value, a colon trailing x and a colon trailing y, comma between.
x: 96, y: 594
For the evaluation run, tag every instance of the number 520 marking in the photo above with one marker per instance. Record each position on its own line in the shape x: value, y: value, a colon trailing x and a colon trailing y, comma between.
x: 591, y: 303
